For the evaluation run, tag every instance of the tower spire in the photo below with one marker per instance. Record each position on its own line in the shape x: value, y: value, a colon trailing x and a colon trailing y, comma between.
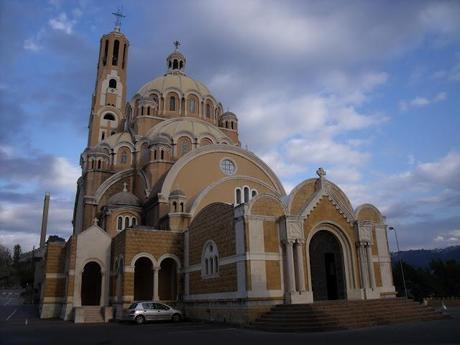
x: 118, y: 18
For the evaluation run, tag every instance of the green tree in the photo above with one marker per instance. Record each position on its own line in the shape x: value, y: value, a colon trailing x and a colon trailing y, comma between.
x: 17, y: 251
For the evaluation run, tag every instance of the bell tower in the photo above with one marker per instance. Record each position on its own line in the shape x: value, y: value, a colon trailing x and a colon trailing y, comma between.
x: 109, y: 97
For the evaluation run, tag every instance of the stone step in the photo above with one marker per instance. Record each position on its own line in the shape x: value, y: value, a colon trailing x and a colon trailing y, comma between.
x: 335, y: 315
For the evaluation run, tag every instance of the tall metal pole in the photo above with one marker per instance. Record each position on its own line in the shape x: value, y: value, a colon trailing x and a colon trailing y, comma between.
x: 400, y: 261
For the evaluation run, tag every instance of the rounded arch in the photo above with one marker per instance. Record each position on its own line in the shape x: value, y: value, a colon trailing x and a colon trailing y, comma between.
x: 143, y: 255
x: 300, y: 195
x: 346, y: 244
x: 170, y: 256
x: 93, y: 259
x: 196, y: 202
x: 267, y: 205
x: 102, y: 189
x: 91, y: 283
x: 210, y: 149
x: 361, y: 210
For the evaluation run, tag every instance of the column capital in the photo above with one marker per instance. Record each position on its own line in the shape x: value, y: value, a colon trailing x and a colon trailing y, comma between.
x: 301, y: 241
x: 289, y: 242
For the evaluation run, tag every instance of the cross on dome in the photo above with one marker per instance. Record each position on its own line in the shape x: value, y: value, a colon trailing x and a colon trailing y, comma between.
x: 321, y: 173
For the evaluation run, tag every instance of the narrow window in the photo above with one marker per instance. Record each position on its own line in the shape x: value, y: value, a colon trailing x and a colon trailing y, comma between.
x: 120, y: 223
x: 182, y: 207
x: 112, y: 83
x: 226, y: 124
x: 102, y: 135
x: 169, y: 64
x: 134, y: 221
x: 246, y: 194
x: 231, y: 124
x: 238, y: 196
x: 175, y: 65
x: 175, y: 206
x: 124, y: 158
x: 208, y: 111
x: 106, y: 50
x: 92, y: 164
x: 181, y: 64
x: 254, y: 193
x: 142, y: 110
x: 162, y: 155
x: 216, y: 264
x: 207, y: 266
x: 98, y: 164
x: 172, y: 103
x: 124, y: 54
x: 155, y: 155
x: 116, y: 48
x: 148, y: 110
x: 191, y: 106
x: 126, y: 222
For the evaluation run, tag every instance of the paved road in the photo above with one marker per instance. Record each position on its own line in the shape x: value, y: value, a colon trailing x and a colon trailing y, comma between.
x: 16, y: 331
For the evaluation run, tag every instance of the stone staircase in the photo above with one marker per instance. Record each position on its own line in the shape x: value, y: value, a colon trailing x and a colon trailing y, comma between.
x: 93, y: 314
x: 343, y: 314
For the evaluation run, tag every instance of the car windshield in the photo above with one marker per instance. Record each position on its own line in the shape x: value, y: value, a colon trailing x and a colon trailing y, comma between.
x: 133, y: 306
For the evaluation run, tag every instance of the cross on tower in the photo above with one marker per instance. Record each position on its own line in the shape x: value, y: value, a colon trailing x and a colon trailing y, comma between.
x: 118, y: 18
x: 176, y: 44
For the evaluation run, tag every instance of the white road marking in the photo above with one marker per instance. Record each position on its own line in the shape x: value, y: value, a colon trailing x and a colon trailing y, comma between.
x: 14, y: 312
x: 7, y: 301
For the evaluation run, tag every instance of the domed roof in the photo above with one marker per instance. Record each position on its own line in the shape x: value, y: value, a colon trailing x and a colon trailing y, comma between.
x: 177, y: 192
x: 228, y: 114
x: 176, y: 82
x: 124, y: 198
x: 160, y: 140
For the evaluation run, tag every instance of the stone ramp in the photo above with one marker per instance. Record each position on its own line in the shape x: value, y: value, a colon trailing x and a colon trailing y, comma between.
x: 337, y: 315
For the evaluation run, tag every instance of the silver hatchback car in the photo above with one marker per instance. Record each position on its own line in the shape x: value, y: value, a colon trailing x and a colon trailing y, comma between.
x: 143, y: 311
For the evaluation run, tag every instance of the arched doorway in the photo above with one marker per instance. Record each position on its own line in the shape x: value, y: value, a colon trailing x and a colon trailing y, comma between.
x: 143, y: 279
x: 91, y: 282
x: 326, y: 267
x: 167, y: 282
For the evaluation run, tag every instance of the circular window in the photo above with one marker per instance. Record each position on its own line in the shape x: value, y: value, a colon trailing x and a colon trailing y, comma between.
x: 227, y: 167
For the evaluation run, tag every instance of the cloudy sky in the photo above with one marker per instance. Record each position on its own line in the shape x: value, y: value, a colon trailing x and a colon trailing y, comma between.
x: 369, y: 90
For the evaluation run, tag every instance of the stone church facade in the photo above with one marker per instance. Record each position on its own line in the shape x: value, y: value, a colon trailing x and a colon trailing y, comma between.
x: 169, y: 207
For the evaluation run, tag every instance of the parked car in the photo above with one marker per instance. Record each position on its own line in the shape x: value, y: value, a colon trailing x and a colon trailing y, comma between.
x: 143, y: 311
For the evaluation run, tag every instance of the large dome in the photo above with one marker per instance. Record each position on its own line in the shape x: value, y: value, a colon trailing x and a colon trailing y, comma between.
x: 177, y: 82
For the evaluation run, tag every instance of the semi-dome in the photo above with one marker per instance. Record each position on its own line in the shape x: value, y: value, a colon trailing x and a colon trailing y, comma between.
x: 228, y: 115
x: 124, y: 198
x: 160, y: 140
x: 177, y: 192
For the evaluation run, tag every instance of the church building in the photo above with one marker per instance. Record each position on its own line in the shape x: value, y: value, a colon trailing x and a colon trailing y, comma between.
x: 170, y: 207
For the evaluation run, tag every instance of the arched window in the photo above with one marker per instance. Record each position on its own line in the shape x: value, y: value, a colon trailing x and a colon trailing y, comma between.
x: 246, y: 194
x: 120, y: 223
x: 253, y: 193
x: 169, y: 64
x: 92, y: 164
x: 148, y: 110
x: 142, y: 110
x: 99, y: 163
x: 209, y: 260
x: 191, y: 106
x: 112, y: 83
x: 109, y: 117
x: 162, y: 155
x: 124, y: 157
x: 231, y: 124
x: 208, y: 110
x: 238, y: 196
x: 124, y: 54
x: 175, y: 206
x: 172, y: 103
x: 184, y: 145
x: 102, y: 135
x: 106, y: 50
x: 126, y: 222
x: 181, y: 64
x: 175, y: 64
x: 182, y: 207
x: 155, y: 155
x: 134, y: 221
x: 116, y: 48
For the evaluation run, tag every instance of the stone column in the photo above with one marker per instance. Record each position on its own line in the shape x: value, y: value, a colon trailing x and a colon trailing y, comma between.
x: 363, y: 264
x: 290, y: 266
x: 370, y: 266
x: 155, y: 283
x: 300, y: 269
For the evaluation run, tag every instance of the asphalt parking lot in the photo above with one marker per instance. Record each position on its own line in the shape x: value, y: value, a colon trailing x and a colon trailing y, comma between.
x: 23, y: 327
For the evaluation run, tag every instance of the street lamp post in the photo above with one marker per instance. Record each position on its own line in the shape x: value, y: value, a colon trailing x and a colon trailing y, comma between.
x: 400, y: 261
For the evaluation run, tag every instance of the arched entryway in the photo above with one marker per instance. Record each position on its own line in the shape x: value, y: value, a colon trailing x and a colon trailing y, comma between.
x: 168, y: 280
x: 143, y: 279
x: 91, y: 282
x: 326, y: 267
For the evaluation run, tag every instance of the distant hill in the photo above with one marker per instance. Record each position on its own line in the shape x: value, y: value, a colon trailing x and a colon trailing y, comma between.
x: 423, y: 257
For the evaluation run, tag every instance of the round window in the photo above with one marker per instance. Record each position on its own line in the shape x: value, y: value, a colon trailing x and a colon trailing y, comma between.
x: 227, y: 167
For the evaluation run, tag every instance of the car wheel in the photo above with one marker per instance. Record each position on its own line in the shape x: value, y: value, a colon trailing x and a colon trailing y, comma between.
x: 140, y: 319
x: 176, y: 318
